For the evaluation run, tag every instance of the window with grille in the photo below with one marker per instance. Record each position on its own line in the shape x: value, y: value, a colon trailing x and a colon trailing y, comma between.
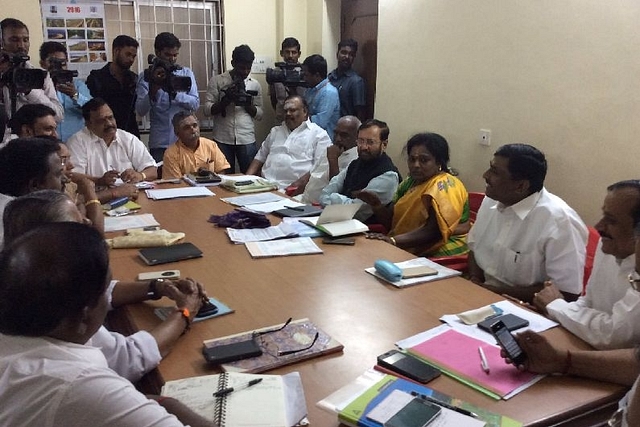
x: 197, y: 23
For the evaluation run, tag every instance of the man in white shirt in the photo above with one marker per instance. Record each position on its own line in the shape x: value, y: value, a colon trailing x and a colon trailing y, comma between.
x: 524, y: 235
x: 15, y: 41
x: 105, y: 153
x: 372, y: 171
x: 292, y: 149
x: 58, y: 274
x: 343, y: 151
x: 608, y: 315
x: 232, y: 111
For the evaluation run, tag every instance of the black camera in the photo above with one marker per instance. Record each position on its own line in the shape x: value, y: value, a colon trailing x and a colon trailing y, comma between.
x: 168, y: 82
x: 59, y: 75
x: 288, y: 74
x: 20, y: 78
x: 237, y: 93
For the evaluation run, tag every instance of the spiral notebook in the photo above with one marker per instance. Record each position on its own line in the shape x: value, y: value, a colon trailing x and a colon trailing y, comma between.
x: 276, y: 401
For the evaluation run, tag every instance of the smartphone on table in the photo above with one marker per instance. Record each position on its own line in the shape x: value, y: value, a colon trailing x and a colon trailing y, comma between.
x: 408, y: 366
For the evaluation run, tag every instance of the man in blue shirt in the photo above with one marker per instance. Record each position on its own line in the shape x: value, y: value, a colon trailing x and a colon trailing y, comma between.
x: 350, y: 85
x: 322, y: 97
x: 71, y: 94
x: 162, y: 106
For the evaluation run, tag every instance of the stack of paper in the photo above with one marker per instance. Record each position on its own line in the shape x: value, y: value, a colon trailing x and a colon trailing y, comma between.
x: 126, y: 222
x: 285, y: 247
x: 174, y: 193
x: 262, y: 202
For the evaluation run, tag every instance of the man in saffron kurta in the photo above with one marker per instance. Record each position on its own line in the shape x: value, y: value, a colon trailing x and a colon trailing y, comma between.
x: 191, y: 151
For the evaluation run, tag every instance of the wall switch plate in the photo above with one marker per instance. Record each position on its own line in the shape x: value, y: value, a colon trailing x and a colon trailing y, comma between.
x: 485, y: 137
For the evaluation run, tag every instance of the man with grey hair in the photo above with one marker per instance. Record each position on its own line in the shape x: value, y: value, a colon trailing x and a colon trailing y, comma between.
x: 339, y: 154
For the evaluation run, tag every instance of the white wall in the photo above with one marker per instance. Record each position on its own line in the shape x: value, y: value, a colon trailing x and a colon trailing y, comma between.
x: 561, y: 75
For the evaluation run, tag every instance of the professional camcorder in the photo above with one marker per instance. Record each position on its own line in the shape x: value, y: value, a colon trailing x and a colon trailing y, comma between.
x: 168, y: 82
x: 237, y: 93
x: 59, y: 75
x: 18, y: 77
x: 288, y: 74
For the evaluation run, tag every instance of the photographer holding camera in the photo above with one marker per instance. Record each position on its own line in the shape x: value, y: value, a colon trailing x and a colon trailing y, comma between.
x: 163, y: 90
x: 280, y: 90
x: 72, y: 93
x: 234, y: 100
x: 14, y: 57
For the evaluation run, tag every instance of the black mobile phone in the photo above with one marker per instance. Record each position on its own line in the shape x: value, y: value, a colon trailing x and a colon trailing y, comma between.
x: 511, y: 321
x: 232, y: 352
x: 508, y: 342
x: 339, y: 241
x: 409, y: 366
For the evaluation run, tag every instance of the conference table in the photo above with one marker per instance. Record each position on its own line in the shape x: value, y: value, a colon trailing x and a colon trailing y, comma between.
x: 331, y: 289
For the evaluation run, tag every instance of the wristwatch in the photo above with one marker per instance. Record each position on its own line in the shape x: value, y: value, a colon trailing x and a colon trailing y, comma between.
x: 152, y: 292
x: 634, y: 280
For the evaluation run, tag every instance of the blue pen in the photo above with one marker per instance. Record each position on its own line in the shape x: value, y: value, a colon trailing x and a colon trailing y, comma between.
x: 118, y: 202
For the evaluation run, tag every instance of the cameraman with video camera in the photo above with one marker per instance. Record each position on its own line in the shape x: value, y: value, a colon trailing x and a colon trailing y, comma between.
x: 234, y: 100
x: 281, y: 90
x: 164, y: 89
x: 72, y: 93
x: 14, y: 57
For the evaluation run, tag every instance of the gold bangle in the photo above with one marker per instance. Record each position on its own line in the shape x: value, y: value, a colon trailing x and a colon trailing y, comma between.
x: 92, y: 201
x: 393, y: 241
x: 144, y: 177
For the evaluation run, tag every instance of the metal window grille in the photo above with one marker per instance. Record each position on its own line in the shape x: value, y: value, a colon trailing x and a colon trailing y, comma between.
x: 197, y: 23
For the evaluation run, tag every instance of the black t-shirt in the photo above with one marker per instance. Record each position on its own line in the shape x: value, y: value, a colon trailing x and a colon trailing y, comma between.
x: 120, y: 97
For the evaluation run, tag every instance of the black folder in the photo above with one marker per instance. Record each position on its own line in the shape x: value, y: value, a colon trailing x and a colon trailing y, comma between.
x: 165, y: 254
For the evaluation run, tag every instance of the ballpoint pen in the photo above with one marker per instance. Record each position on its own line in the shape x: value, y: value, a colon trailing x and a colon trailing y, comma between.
x: 225, y: 391
x: 444, y: 404
x: 483, y: 361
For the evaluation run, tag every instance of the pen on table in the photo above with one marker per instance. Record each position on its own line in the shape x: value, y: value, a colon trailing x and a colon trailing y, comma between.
x: 295, y: 208
x: 444, y: 404
x: 483, y: 361
x: 228, y: 390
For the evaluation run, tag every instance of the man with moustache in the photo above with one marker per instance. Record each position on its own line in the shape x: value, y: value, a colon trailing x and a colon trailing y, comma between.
x: 608, y: 315
x: 291, y: 150
x: 191, y: 152
x: 15, y: 41
x: 372, y: 171
x: 524, y: 235
x: 106, y: 154
x: 339, y: 155
x: 116, y: 83
x: 350, y: 85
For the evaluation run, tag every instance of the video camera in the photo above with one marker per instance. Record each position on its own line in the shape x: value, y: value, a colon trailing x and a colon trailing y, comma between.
x: 59, y: 75
x: 170, y: 83
x: 18, y: 77
x: 237, y: 93
x: 288, y: 74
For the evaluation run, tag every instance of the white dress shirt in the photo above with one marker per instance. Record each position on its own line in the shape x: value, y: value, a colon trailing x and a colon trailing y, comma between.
x: 45, y: 382
x: 320, y: 174
x: 236, y: 127
x: 91, y: 155
x: 608, y: 316
x: 539, y: 238
x: 288, y: 154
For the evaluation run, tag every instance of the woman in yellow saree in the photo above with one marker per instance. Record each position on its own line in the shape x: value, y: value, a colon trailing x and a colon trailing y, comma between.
x: 430, y: 212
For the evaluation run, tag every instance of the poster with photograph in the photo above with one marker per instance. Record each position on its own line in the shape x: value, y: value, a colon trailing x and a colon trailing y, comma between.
x: 80, y: 27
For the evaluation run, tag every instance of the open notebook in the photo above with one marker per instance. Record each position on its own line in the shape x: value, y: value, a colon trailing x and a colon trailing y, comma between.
x: 337, y: 220
x: 274, y: 401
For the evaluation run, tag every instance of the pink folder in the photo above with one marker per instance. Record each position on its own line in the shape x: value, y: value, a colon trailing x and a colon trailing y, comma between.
x: 458, y: 353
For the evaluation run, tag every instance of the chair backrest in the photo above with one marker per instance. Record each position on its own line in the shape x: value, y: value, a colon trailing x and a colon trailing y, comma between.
x: 475, y: 200
x: 592, y: 246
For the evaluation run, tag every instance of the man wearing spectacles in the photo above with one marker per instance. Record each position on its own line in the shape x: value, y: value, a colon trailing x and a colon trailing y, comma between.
x: 608, y: 315
x: 372, y: 171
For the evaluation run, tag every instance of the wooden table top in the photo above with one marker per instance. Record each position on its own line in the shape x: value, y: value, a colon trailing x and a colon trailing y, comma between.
x: 332, y: 289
